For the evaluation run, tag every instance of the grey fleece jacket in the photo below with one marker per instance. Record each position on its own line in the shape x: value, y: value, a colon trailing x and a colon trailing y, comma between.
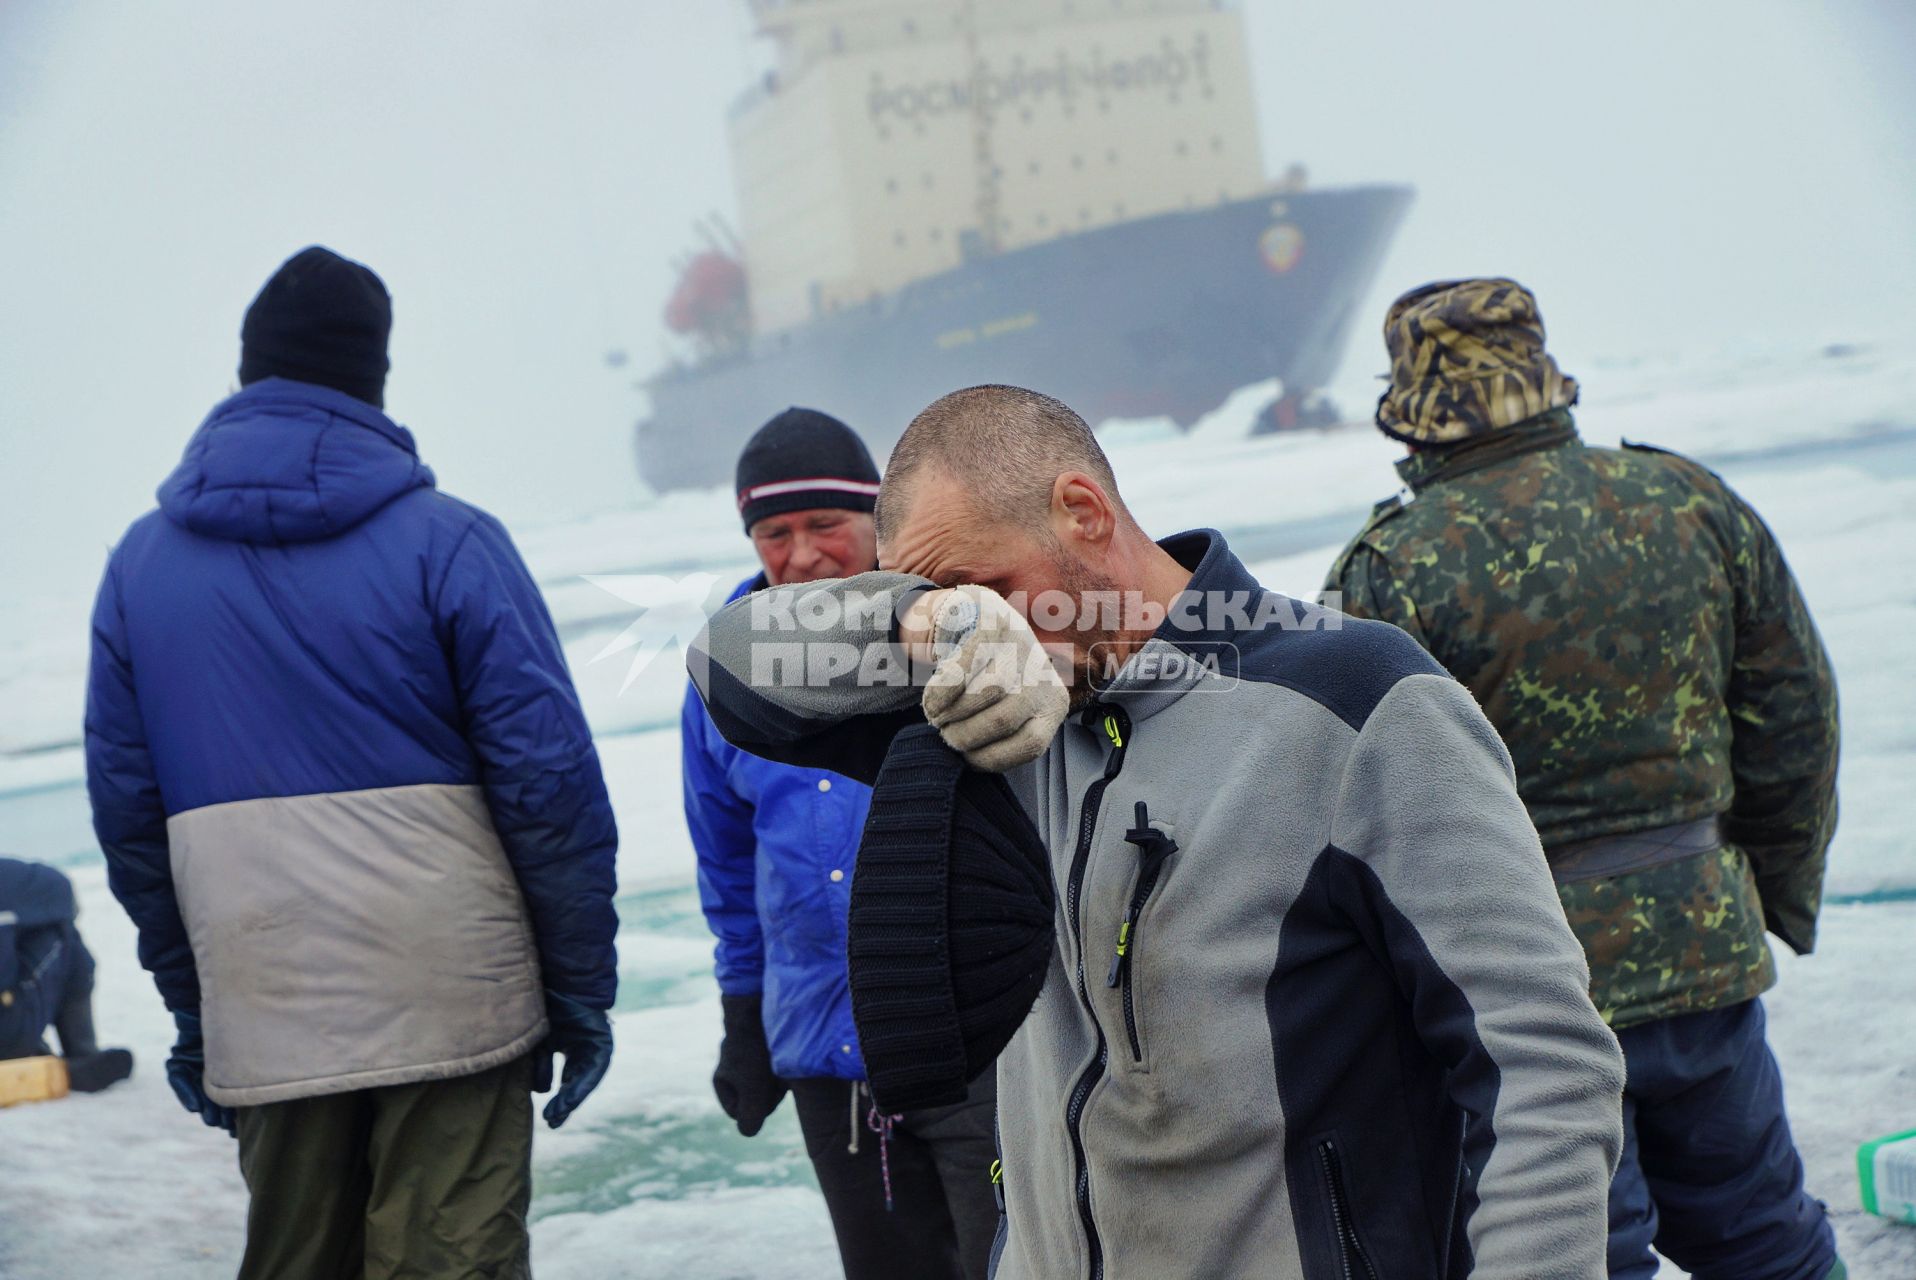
x: 1348, y: 1034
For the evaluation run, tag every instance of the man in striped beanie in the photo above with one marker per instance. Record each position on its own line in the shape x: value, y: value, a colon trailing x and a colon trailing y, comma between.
x: 806, y: 488
x: 909, y: 1194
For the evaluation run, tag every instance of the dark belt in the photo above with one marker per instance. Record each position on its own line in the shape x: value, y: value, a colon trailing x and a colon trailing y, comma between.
x: 1634, y: 851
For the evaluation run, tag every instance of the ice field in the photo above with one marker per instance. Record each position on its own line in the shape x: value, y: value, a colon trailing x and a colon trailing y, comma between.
x: 650, y: 1179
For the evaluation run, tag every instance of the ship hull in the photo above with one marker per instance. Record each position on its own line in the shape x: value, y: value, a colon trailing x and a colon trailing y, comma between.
x: 1162, y: 316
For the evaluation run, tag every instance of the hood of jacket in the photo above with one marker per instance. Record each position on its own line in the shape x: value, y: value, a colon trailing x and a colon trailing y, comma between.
x: 285, y: 461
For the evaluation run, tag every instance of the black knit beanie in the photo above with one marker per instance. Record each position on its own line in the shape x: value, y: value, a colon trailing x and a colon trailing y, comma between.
x: 952, y: 924
x: 803, y: 459
x: 321, y: 318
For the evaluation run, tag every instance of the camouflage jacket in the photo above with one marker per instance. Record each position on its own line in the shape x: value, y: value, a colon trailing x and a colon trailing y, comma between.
x: 1630, y: 626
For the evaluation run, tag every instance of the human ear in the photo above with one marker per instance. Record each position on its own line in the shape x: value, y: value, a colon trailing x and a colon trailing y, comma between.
x: 1081, y: 511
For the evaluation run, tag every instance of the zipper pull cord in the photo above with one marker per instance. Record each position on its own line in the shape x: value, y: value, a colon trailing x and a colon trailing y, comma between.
x: 1122, y: 957
x: 1153, y: 848
x: 882, y: 1126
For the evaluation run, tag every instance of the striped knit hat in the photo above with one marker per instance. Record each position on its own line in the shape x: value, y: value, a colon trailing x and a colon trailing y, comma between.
x: 801, y: 460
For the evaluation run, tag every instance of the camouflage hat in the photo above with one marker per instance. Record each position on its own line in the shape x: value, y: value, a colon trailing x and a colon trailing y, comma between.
x: 1466, y: 358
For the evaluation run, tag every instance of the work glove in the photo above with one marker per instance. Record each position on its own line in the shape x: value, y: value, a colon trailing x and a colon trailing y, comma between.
x: 995, y: 696
x: 186, y: 1072
x: 584, y: 1037
x: 745, y: 1083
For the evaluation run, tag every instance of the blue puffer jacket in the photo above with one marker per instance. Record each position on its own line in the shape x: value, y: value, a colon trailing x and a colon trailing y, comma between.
x: 776, y: 847
x: 336, y: 761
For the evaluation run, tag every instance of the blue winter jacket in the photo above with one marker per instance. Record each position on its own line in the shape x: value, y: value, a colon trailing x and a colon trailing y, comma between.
x: 336, y: 762
x: 776, y: 846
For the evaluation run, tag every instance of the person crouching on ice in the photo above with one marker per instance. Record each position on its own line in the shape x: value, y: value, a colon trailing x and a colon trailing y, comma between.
x: 909, y: 1195
x: 46, y: 977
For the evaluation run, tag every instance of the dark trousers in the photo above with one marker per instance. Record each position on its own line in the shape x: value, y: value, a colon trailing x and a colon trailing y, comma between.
x: 423, y: 1181
x: 943, y: 1213
x: 55, y: 988
x: 1709, y: 1172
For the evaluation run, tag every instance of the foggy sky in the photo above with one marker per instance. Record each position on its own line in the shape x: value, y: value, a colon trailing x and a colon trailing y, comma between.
x: 1670, y: 178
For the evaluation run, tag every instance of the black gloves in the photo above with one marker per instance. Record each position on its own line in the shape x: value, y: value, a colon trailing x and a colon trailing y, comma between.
x: 186, y: 1072
x: 744, y: 1082
x: 584, y: 1036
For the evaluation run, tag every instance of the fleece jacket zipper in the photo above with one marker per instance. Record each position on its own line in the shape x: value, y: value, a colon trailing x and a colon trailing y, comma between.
x: 1154, y: 847
x: 1356, y: 1264
x: 1117, y: 728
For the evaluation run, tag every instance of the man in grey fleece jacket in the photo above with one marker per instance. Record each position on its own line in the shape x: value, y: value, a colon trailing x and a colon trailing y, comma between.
x: 1314, y: 1010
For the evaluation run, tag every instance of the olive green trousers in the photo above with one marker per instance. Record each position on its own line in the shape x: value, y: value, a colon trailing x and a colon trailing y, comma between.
x: 401, y: 1183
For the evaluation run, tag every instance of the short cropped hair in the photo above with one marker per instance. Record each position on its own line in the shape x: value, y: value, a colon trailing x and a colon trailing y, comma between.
x: 1006, y: 445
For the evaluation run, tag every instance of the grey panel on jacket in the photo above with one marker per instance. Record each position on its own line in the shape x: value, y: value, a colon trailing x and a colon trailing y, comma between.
x: 352, y: 940
x: 1185, y: 1140
x: 1467, y: 870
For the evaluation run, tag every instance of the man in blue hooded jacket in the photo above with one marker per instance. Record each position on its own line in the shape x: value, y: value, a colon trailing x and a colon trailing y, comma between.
x: 909, y: 1195
x: 347, y: 795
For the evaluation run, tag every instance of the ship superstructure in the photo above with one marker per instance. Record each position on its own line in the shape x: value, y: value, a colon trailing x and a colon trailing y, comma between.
x: 976, y: 175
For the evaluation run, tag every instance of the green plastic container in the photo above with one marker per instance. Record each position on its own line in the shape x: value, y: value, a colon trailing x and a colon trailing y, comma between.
x: 1887, y: 1168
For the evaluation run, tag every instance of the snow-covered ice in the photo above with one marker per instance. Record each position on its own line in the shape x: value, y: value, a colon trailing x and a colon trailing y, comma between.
x: 650, y: 1179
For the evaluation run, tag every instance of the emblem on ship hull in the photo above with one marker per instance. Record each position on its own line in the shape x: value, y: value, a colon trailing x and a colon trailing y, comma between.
x: 1281, y: 246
